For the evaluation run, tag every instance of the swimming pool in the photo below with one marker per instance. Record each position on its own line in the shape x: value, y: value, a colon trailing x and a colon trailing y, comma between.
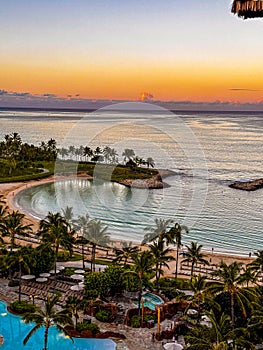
x: 150, y: 300
x: 14, y: 331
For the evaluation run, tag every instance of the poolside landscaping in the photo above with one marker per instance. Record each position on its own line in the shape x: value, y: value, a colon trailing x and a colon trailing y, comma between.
x: 70, y: 281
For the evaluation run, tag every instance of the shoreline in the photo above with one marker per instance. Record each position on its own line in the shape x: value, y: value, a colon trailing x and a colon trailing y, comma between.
x: 10, y: 190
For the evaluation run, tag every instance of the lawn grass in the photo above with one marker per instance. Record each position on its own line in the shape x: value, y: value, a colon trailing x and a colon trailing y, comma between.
x: 106, y: 172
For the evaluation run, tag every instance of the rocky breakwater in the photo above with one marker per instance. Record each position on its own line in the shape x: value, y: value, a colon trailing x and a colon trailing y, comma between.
x: 154, y: 182
x: 250, y: 185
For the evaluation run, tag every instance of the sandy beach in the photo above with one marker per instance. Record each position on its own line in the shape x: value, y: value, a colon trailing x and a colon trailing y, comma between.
x: 9, y: 191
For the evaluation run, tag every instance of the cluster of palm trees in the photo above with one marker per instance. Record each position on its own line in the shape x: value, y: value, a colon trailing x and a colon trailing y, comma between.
x: 15, y: 154
x: 107, y: 155
x: 233, y: 303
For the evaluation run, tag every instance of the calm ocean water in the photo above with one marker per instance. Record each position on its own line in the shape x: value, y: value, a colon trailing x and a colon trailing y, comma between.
x: 206, y: 150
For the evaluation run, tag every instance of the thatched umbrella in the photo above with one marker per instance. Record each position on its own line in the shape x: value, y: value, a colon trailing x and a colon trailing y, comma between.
x: 248, y: 8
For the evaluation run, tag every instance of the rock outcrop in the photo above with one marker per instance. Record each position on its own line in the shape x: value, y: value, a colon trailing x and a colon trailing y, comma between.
x: 251, y: 185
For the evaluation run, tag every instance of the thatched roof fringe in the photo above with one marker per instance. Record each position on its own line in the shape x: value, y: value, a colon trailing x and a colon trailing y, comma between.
x: 248, y: 8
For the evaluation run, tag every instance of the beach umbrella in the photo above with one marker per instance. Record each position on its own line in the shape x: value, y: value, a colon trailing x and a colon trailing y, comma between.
x: 77, y: 277
x: 79, y: 271
x: 41, y: 279
x: 60, y: 267
x: 44, y: 274
x: 77, y: 287
x: 173, y: 346
x: 52, y: 272
x: 192, y: 312
x: 248, y: 8
x: 28, y: 277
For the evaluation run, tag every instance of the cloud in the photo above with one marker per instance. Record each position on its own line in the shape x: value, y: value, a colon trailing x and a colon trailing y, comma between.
x: 242, y: 89
x: 49, y: 95
x: 19, y: 94
x: 146, y: 96
x: 48, y: 100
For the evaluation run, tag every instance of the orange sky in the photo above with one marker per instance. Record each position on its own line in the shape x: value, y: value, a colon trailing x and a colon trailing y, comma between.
x: 197, y: 82
x: 113, y: 50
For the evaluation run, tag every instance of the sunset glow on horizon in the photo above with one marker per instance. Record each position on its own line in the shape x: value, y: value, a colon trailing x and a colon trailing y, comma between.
x: 198, y: 52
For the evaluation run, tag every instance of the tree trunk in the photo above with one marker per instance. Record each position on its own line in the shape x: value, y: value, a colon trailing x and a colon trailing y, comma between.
x: 46, y: 338
x: 20, y: 280
x: 83, y: 260
x: 176, y: 265
x: 192, y: 268
x: 93, y: 255
x: 157, y: 277
x: 139, y: 301
x: 55, y: 261
x: 232, y: 310
x: 76, y: 319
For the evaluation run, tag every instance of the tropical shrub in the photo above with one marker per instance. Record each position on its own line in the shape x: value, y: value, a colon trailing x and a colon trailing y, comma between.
x: 21, y: 307
x: 13, y: 283
x: 103, y: 315
x: 85, y: 326
x: 136, y: 320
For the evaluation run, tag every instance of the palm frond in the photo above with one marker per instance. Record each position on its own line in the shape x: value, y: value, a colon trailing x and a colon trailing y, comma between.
x: 248, y: 8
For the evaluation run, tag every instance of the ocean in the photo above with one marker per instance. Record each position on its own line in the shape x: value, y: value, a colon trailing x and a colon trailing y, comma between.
x: 206, y: 150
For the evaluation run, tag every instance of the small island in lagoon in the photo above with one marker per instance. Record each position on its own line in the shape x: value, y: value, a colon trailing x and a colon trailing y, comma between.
x: 23, y: 162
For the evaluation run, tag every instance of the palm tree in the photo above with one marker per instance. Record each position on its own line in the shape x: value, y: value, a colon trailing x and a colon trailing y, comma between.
x: 73, y: 305
x: 142, y: 267
x: 257, y: 264
x: 87, y: 152
x: 219, y: 336
x: 47, y: 318
x: 157, y: 231
x: 175, y: 234
x: 198, y: 285
x: 161, y: 258
x: 12, y: 226
x: 247, y: 8
x: 97, y: 236
x: 23, y: 260
x: 231, y: 282
x: 55, y: 231
x: 128, y: 154
x: 249, y: 275
x: 107, y: 153
x: 81, y: 226
x: 150, y: 162
x: 68, y: 213
x: 194, y: 256
x: 64, y: 152
x: 125, y: 253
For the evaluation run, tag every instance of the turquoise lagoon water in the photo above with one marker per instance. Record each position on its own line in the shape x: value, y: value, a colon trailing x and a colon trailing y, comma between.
x: 218, y: 217
x: 14, y: 331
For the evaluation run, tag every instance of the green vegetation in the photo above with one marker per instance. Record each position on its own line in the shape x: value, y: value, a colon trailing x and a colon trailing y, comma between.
x: 232, y: 304
x: 23, y: 162
x: 21, y: 307
x: 86, y: 326
x: 103, y: 315
x: 47, y: 318
x: 13, y: 283
x: 136, y: 321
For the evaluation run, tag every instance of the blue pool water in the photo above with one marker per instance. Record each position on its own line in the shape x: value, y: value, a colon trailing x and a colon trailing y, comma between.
x: 14, y: 331
x: 150, y: 300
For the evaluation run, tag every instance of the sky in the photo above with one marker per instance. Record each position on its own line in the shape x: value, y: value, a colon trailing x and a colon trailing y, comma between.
x: 66, y: 52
